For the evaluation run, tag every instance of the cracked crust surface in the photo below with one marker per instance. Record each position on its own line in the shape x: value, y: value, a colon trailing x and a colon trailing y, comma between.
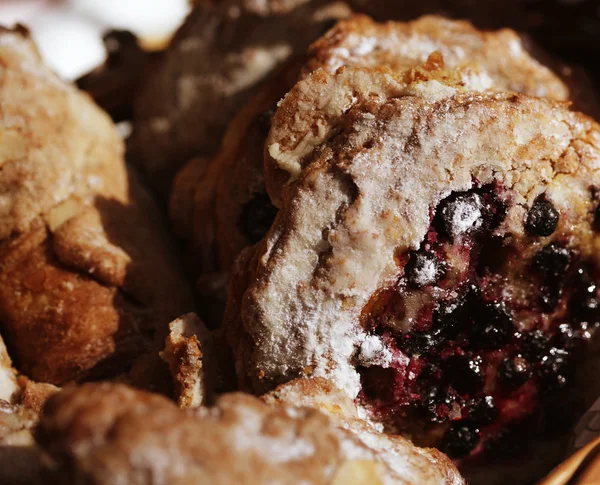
x: 339, y: 228
x: 217, y: 208
x: 368, y: 159
x: 214, y: 64
x: 107, y: 433
x: 87, y: 276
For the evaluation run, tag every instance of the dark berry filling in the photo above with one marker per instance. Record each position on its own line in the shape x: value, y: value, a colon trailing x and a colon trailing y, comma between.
x: 514, y: 371
x: 542, y: 219
x: 257, y: 216
x: 460, y: 440
x: 481, y: 331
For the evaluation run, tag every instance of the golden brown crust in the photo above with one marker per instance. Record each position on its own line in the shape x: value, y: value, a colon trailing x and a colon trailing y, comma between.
x: 106, y: 433
x: 229, y: 209
x: 214, y: 64
x: 87, y: 275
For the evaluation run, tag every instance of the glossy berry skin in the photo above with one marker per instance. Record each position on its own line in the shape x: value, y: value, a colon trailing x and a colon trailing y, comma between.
x: 555, y: 370
x: 437, y: 403
x: 513, y: 372
x: 585, y: 305
x: 552, y: 262
x: 460, y: 440
x: 492, y: 328
x: 534, y: 345
x: 542, y: 219
x: 482, y: 410
x: 465, y: 373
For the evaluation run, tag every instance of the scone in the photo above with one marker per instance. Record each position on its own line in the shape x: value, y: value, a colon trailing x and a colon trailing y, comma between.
x: 87, y: 273
x: 436, y: 256
x: 109, y: 434
x: 215, y: 62
x: 221, y: 209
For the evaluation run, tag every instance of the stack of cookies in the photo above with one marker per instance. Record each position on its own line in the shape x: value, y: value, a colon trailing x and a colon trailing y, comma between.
x: 380, y: 264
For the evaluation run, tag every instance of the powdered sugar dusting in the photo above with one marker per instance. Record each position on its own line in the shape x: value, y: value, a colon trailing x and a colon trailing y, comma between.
x: 463, y: 215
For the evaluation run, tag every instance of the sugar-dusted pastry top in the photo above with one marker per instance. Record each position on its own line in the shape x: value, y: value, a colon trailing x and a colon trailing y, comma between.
x: 214, y: 64
x: 435, y: 251
x: 87, y: 275
x: 107, y: 433
x: 400, y: 46
x: 223, y: 208
x: 369, y: 159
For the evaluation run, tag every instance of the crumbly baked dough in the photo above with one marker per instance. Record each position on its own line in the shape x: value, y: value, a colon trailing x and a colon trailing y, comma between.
x: 87, y: 275
x: 188, y: 352
x: 109, y: 434
x: 214, y: 64
x: 222, y: 208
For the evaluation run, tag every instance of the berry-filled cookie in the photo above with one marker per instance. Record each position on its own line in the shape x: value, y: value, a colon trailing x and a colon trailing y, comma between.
x: 221, y: 206
x: 435, y: 255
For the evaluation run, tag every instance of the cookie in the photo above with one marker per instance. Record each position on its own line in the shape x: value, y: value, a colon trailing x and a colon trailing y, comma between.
x: 223, y: 207
x: 88, y: 275
x: 435, y: 255
x: 107, y: 433
x: 215, y: 63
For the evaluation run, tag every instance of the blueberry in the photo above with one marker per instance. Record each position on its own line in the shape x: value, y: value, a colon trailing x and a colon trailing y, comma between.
x: 533, y: 345
x: 492, y: 328
x: 514, y: 371
x: 555, y: 370
x: 445, y: 324
x: 451, y: 318
x: 257, y: 216
x: 465, y: 373
x: 437, y: 404
x: 552, y: 262
x: 460, y: 440
x: 463, y: 215
x: 482, y: 410
x: 423, y: 269
x: 542, y: 218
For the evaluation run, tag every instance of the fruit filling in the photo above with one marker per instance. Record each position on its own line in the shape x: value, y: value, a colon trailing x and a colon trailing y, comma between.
x: 474, y: 347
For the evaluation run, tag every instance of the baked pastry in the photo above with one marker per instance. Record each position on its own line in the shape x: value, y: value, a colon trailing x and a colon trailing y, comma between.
x: 107, y: 433
x: 215, y: 62
x: 435, y: 255
x: 87, y: 274
x: 222, y: 208
x: 568, y: 29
